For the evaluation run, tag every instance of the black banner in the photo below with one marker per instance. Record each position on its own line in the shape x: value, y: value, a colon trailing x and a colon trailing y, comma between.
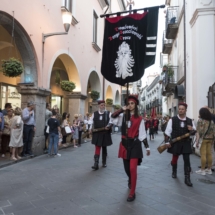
x: 129, y: 46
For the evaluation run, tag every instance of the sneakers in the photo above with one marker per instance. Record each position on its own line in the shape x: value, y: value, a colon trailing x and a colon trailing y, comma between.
x: 201, y: 172
x: 59, y: 155
x: 3, y: 155
x: 75, y: 146
x: 208, y: 171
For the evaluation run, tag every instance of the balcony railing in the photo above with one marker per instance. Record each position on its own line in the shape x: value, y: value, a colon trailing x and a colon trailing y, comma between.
x: 167, y: 44
x: 171, y: 22
x: 170, y: 78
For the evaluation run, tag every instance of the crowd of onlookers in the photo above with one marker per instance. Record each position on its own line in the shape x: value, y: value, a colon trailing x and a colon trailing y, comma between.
x: 17, y: 129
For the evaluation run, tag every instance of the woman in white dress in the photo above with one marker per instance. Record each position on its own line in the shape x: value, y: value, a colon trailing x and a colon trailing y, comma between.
x: 16, y: 140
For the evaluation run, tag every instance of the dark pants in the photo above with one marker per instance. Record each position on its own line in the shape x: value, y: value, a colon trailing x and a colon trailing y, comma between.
x: 64, y: 140
x: 28, y: 133
x: 186, y: 158
x: 46, y: 136
x: 79, y: 137
x: 5, y: 140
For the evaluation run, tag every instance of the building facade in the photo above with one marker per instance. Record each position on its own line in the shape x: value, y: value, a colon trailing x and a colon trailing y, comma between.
x: 189, y: 41
x: 151, y: 97
x: 35, y: 35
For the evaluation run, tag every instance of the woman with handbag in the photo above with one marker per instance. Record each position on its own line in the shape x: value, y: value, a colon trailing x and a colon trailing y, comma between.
x: 204, y: 140
x: 6, y: 132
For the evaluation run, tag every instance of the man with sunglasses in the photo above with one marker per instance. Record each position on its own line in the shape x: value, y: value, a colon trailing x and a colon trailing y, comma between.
x: 102, y: 138
x: 133, y: 133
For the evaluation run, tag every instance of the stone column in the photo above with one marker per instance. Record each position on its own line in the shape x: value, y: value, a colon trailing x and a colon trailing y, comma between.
x: 110, y: 108
x: 76, y: 104
x: 94, y: 106
x: 38, y: 96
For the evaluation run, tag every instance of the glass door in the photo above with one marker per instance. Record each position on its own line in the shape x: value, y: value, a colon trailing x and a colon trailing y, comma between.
x: 9, y: 94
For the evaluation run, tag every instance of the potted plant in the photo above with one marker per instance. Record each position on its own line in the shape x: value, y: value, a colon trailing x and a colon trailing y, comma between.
x: 12, y: 67
x: 117, y: 107
x: 168, y: 70
x: 67, y: 86
x: 109, y: 101
x: 94, y: 95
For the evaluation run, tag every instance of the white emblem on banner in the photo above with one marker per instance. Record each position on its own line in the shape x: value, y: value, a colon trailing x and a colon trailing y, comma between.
x: 124, y: 61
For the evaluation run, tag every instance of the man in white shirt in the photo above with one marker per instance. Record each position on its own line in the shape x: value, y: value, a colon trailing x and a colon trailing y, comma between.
x: 101, y: 139
x: 178, y: 126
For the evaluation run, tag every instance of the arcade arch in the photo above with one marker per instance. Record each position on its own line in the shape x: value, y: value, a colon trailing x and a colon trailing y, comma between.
x: 23, y: 50
x: 93, y: 84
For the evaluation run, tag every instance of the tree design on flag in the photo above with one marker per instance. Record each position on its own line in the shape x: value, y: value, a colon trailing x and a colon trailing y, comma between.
x: 124, y: 61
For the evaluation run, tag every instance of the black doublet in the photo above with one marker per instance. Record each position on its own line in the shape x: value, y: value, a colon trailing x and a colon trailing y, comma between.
x: 101, y: 138
x: 183, y: 146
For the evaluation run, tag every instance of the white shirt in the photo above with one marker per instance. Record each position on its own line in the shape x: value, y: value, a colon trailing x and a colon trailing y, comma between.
x: 90, y: 122
x: 168, y: 130
x: 142, y: 131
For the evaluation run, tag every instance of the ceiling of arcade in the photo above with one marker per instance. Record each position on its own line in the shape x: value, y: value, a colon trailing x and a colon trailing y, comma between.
x: 7, y: 50
x: 65, y: 64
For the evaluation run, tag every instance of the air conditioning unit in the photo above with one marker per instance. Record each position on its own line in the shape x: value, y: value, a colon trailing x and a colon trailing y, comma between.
x: 104, y: 3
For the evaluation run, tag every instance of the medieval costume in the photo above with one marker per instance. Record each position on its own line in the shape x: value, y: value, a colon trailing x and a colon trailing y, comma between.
x: 146, y: 124
x: 176, y: 127
x: 156, y: 123
x: 130, y: 149
x: 101, y: 138
x: 151, y: 129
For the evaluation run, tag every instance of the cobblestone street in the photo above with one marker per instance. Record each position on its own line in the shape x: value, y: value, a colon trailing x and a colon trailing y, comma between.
x: 67, y: 185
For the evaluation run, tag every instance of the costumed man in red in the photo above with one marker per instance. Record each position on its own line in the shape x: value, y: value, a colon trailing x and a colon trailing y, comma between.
x: 151, y: 128
x: 178, y: 126
x: 101, y: 139
x: 133, y: 133
x: 156, y: 123
x: 146, y: 123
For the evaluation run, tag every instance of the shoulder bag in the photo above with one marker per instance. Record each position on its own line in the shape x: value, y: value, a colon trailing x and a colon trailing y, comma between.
x: 201, y: 140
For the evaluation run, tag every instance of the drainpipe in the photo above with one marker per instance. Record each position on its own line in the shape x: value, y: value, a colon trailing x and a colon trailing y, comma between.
x: 185, y: 50
x: 103, y: 80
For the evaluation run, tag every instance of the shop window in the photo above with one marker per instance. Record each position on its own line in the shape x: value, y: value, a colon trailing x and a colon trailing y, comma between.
x: 9, y: 94
x: 56, y: 101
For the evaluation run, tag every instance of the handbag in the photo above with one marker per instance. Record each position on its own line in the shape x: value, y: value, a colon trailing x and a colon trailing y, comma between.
x: 47, y: 129
x: 67, y: 130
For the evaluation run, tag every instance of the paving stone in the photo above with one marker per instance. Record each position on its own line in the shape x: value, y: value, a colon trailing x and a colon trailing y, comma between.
x: 184, y: 208
x: 67, y: 185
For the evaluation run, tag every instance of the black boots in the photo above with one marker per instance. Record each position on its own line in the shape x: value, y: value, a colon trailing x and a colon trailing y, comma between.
x: 104, y: 156
x: 187, y: 171
x: 174, y: 170
x: 96, y: 163
x: 131, y: 198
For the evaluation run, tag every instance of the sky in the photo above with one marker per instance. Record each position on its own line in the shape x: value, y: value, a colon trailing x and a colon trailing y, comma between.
x: 161, y: 26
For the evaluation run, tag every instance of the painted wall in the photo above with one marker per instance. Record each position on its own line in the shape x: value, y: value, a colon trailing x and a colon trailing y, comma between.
x: 45, y: 17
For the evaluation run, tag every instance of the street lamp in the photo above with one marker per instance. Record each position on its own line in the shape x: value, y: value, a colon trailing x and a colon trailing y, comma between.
x: 67, y: 19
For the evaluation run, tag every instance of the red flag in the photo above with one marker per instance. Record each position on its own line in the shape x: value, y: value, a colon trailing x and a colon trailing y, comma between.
x: 153, y: 112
